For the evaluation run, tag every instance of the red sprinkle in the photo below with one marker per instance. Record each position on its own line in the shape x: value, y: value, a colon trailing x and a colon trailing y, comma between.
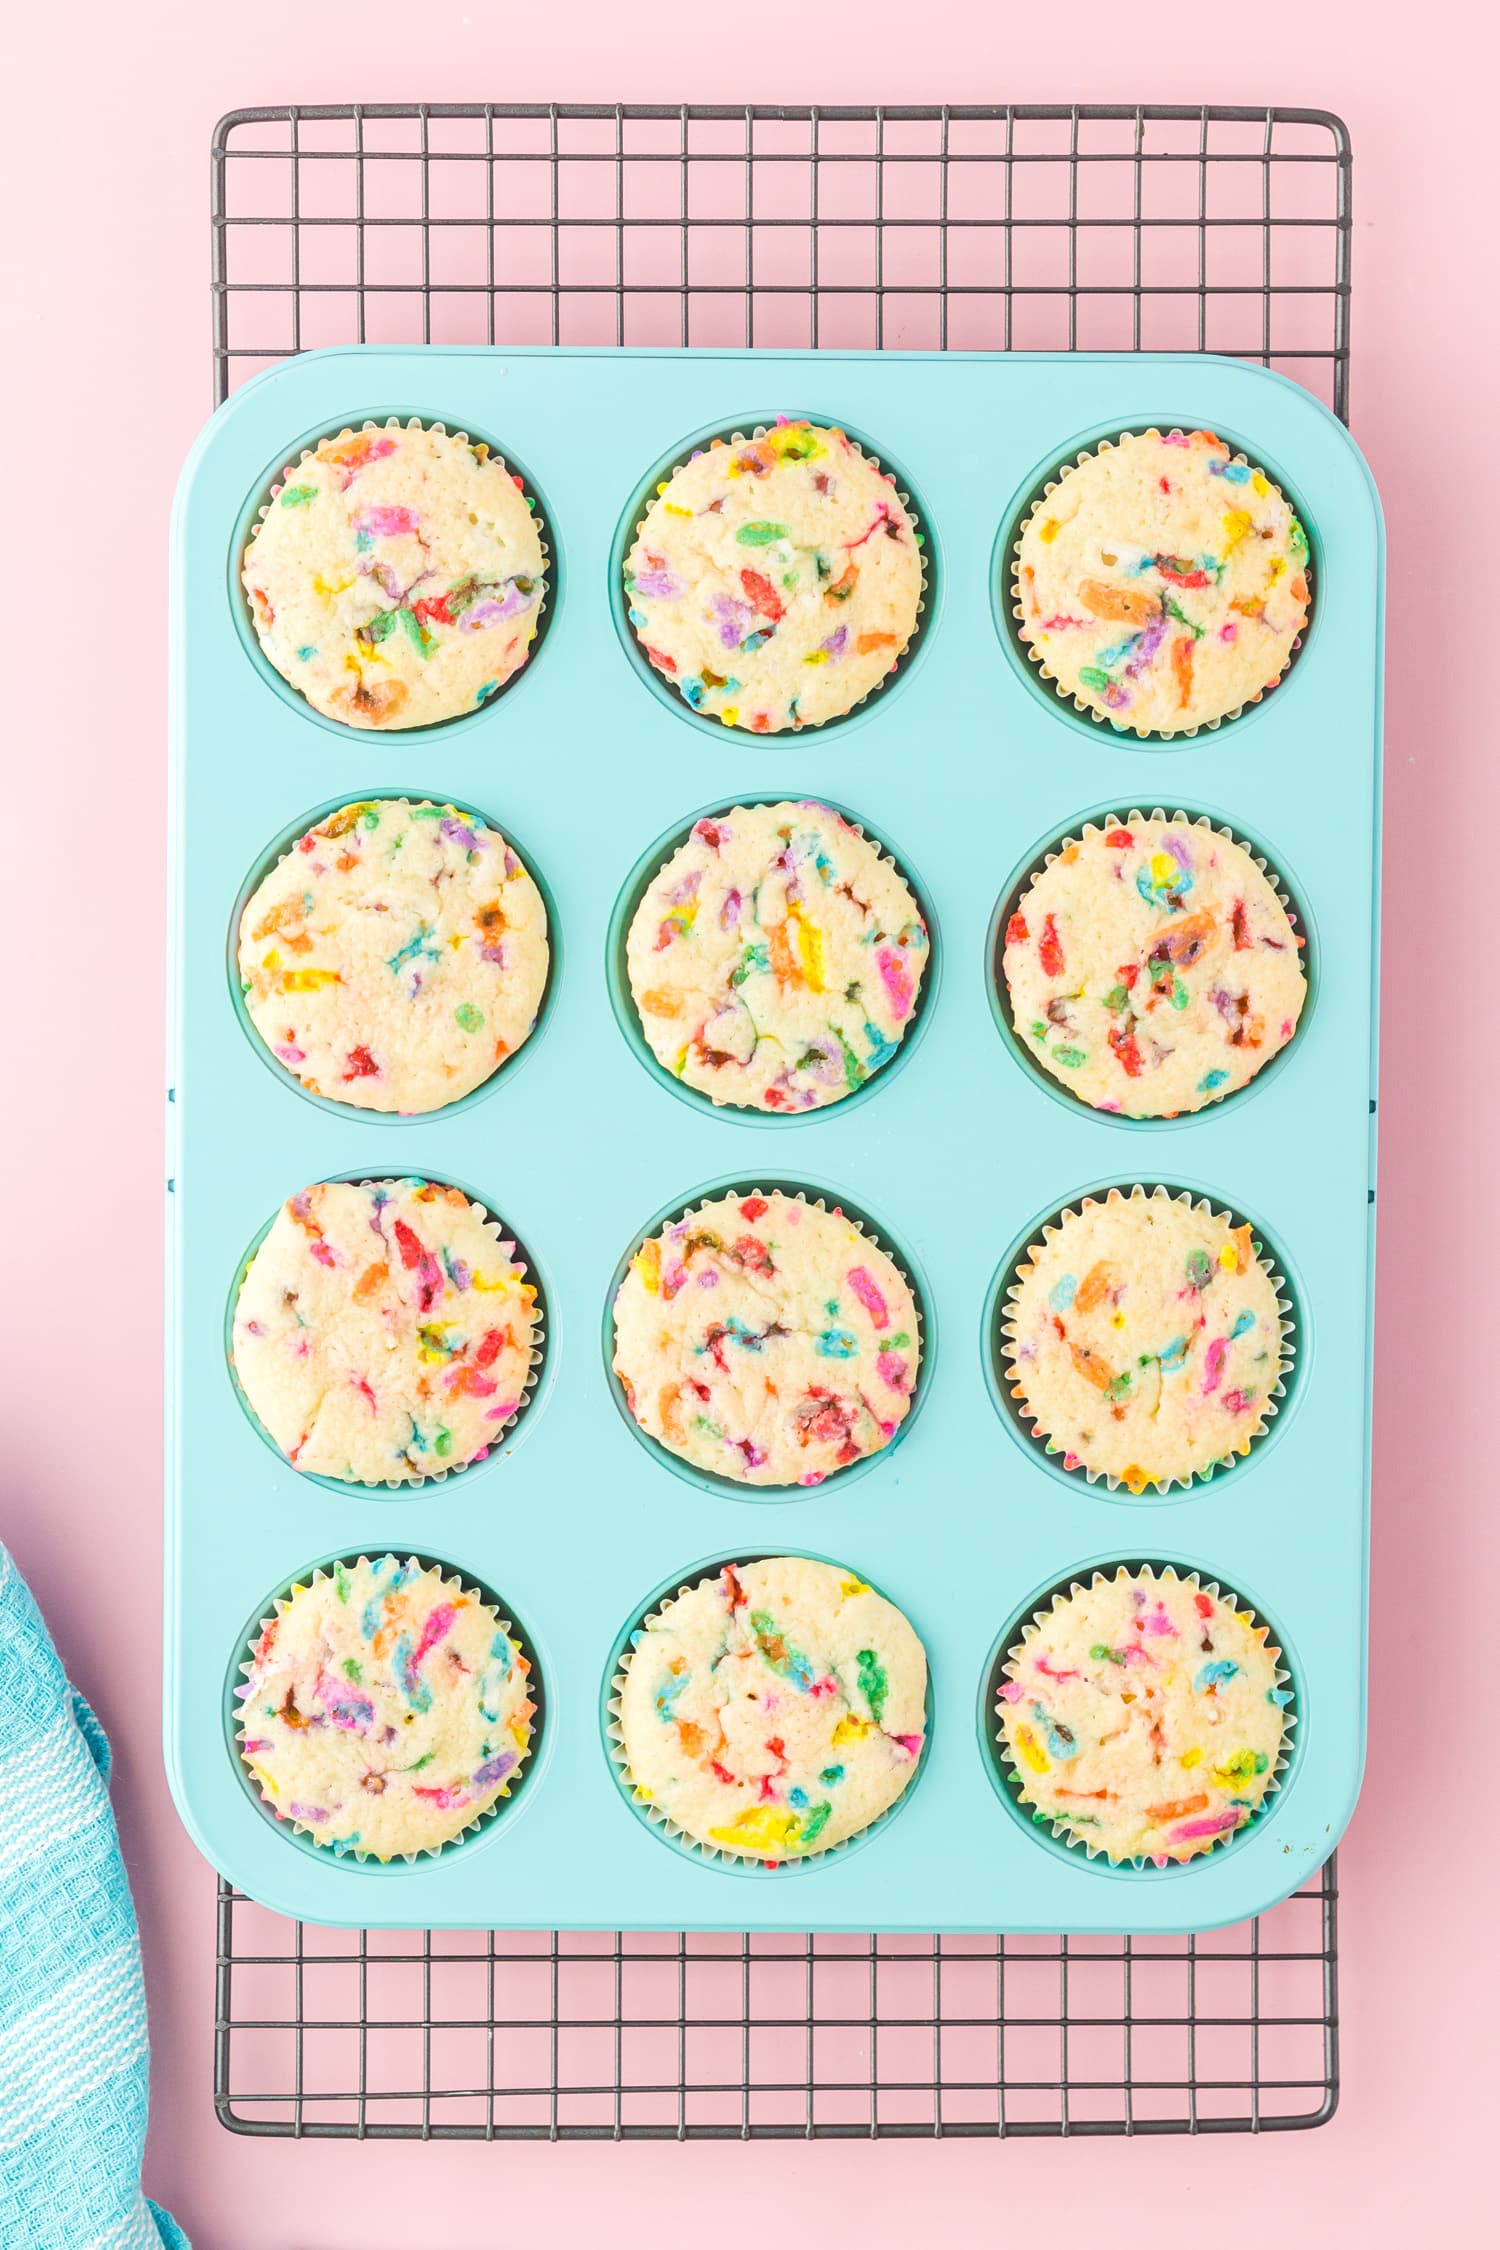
x: 754, y: 1207
x: 1049, y: 949
x: 489, y: 1347
x: 1016, y: 932
x: 1118, y: 840
x: 362, y: 1064
x: 764, y: 595
x: 408, y: 1245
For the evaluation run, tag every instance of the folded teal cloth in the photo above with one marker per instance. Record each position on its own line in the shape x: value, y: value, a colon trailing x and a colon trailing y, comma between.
x: 73, y: 2055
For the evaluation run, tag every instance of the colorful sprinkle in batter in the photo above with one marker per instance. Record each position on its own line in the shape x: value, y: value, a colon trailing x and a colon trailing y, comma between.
x: 396, y: 956
x: 1162, y: 583
x: 1144, y: 1716
x: 1152, y: 968
x: 383, y: 1332
x: 397, y: 577
x: 775, y: 961
x: 1145, y: 1339
x: 766, y: 1340
x: 775, y: 580
x: 385, y: 1708
x: 773, y: 1710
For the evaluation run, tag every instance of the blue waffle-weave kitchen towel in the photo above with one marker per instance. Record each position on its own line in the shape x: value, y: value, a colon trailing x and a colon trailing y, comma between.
x: 73, y: 2056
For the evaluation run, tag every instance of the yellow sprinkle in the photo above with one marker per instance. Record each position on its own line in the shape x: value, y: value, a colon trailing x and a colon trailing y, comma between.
x: 1191, y: 1758
x: 271, y: 960
x: 309, y: 980
x: 329, y: 593
x: 1032, y: 1753
x: 1134, y: 1479
x: 819, y: 656
x: 661, y: 488
x: 1229, y: 1258
x: 851, y: 1730
x: 761, y: 1827
x: 670, y: 507
x: 1244, y: 1617
x: 455, y: 941
x: 730, y: 714
x: 1048, y: 530
x: 848, y: 1587
x: 1238, y: 525
x: 264, y: 1779
x: 1260, y: 487
x: 1117, y: 1320
x: 647, y: 1263
x: 501, y: 1282
x: 643, y: 1794
x: 1163, y: 870
x: 1278, y: 567
x: 810, y: 952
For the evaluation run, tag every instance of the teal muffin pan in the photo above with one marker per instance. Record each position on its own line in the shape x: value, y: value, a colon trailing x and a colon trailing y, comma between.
x: 962, y: 771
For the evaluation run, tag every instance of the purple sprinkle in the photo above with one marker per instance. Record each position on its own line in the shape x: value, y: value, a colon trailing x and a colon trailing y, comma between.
x: 659, y: 585
x: 1179, y: 851
x: 494, y: 1769
x: 836, y: 642
x: 458, y: 832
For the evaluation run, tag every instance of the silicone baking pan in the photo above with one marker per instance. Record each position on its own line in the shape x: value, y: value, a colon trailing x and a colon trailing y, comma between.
x: 966, y: 767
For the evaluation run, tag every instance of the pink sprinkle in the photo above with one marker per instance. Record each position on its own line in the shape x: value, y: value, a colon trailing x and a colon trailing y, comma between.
x: 291, y: 1054
x: 813, y: 1476
x: 386, y: 523
x: 910, y: 1743
x: 896, y: 977
x: 1212, y: 1824
x: 322, y: 1253
x: 891, y: 1368
x: 438, y: 1623
x: 1213, y: 1363
x: 862, y: 1282
x: 1238, y: 1402
x: 708, y: 1279
x: 1229, y: 631
x: 1011, y: 1691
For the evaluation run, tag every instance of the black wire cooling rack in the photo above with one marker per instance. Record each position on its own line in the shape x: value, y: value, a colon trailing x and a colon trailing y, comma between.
x: 1018, y: 228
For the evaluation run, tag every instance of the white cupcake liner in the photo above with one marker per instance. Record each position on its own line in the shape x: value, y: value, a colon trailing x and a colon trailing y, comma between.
x: 922, y: 535
x: 1275, y: 1395
x: 339, y: 1848
x: 721, y: 1855
x: 1069, y: 695
x: 886, y: 857
x: 815, y: 1203
x: 1011, y: 1776
x: 506, y: 1245
x: 1088, y: 828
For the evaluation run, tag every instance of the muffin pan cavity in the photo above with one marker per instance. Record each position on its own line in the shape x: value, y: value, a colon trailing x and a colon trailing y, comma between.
x: 964, y: 770
x: 272, y: 856
x: 279, y: 476
x: 498, y: 1818
x: 665, y: 1831
x: 1270, y: 864
x: 1002, y: 1771
x: 622, y: 1000
x: 1034, y: 489
x: 750, y: 427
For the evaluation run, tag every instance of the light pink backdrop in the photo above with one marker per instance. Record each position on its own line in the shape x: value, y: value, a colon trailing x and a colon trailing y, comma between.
x: 107, y: 128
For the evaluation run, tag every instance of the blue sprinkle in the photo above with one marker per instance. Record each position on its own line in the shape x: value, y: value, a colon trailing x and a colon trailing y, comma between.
x: 1212, y: 1674
x: 1279, y: 1695
x: 797, y: 1797
x: 306, y: 655
x: 1062, y: 1293
x: 1210, y: 1080
x: 837, y: 1343
x: 1243, y: 1321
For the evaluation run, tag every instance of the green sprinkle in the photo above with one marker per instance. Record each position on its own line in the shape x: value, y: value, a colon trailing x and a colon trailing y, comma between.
x: 341, y: 1583
x: 468, y: 1017
x: 1117, y: 999
x: 353, y: 1670
x: 1091, y: 676
x: 899, y: 1342
x: 415, y: 631
x: 760, y: 534
x: 1103, y: 1655
x: 1175, y: 609
x: 442, y: 1444
x: 1039, y: 1031
x: 1070, y: 1057
x: 298, y: 495
x: 1179, y: 994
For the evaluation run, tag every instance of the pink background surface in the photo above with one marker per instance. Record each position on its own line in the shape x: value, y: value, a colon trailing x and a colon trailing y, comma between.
x: 107, y: 135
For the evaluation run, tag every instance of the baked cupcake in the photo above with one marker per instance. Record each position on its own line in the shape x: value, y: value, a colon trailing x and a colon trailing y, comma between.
x: 1151, y: 966
x: 395, y: 956
x: 1162, y: 582
x: 385, y: 1708
x: 1144, y: 1716
x: 775, y: 961
x: 766, y: 1339
x: 771, y: 1711
x: 1145, y: 1339
x: 775, y: 580
x: 384, y: 1333
x: 396, y: 577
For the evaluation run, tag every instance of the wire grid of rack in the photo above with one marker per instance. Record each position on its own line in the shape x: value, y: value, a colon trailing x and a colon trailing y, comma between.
x: 989, y: 228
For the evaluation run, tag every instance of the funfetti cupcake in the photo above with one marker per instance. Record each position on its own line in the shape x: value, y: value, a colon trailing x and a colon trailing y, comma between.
x: 772, y: 1711
x: 766, y: 1339
x: 1162, y: 582
x: 776, y: 960
x: 396, y: 577
x: 1144, y: 1716
x: 387, y: 1707
x: 1145, y: 1339
x: 384, y: 1332
x: 776, y: 579
x: 1152, y: 967
x: 396, y: 955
